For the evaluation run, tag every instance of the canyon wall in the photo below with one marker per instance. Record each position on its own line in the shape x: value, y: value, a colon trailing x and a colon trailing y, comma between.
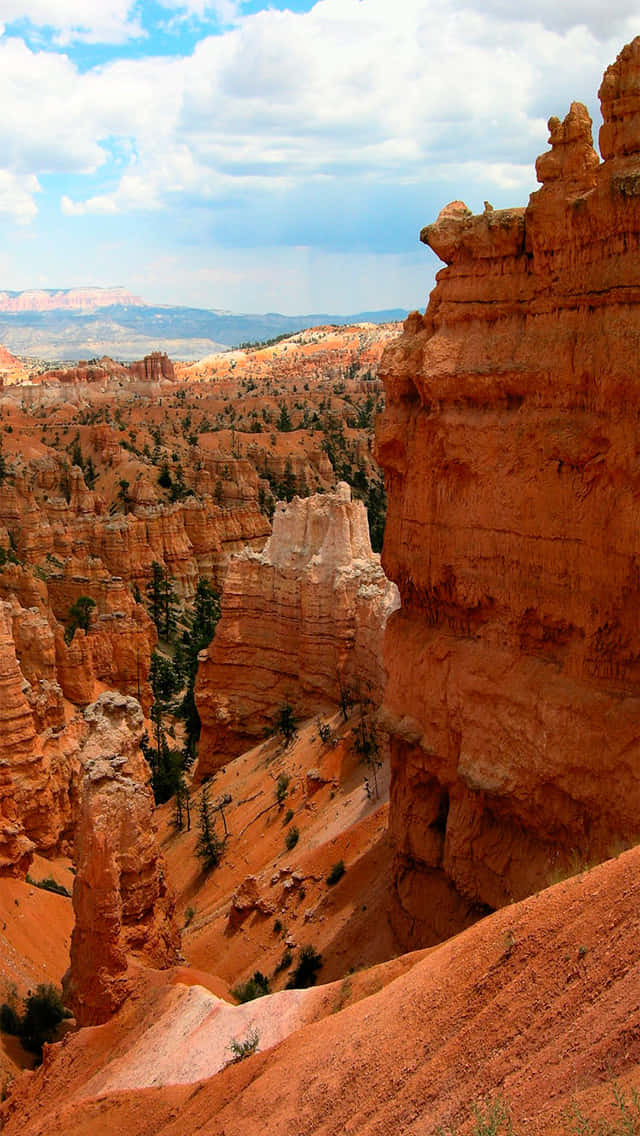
x: 300, y: 620
x: 511, y: 449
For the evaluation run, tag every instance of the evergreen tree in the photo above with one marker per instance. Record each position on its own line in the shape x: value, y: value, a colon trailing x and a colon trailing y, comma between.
x: 284, y: 421
x: 209, y: 847
x: 162, y: 602
x: 288, y: 487
x: 195, y: 638
x: 79, y: 616
x: 286, y: 723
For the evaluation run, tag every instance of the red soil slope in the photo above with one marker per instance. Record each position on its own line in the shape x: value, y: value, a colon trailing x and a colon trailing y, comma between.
x: 539, y: 1001
x: 231, y: 925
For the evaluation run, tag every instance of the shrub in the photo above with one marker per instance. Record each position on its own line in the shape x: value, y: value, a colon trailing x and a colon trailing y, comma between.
x: 9, y: 1016
x: 282, y: 786
x: 288, y: 817
x: 255, y: 987
x: 49, y: 884
x: 285, y: 962
x: 291, y: 839
x: 43, y: 1012
x: 307, y: 967
x: 336, y: 873
x: 79, y: 616
x: 286, y: 723
x: 242, y: 1049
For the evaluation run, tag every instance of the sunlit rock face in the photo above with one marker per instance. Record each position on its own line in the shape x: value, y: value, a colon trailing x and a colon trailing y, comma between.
x: 511, y: 449
x: 301, y: 620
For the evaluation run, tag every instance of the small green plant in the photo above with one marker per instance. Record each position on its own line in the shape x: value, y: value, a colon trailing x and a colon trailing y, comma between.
x: 282, y: 787
x: 509, y: 943
x: 582, y: 951
x: 288, y: 817
x: 325, y: 732
x: 189, y: 913
x: 492, y: 1118
x: 42, y: 1013
x: 255, y: 987
x: 79, y: 616
x: 49, y: 884
x: 10, y: 1014
x: 242, y: 1049
x: 626, y: 1121
x: 286, y: 723
x: 277, y: 926
x: 336, y: 873
x: 291, y: 839
x: 285, y: 962
x: 307, y: 967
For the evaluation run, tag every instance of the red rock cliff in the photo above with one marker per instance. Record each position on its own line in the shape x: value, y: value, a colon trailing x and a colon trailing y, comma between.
x: 512, y: 454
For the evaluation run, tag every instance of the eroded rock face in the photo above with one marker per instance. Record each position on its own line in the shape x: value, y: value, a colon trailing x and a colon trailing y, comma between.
x: 299, y: 620
x: 511, y: 450
x: 122, y: 903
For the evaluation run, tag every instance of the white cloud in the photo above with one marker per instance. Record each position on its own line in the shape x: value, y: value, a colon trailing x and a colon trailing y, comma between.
x: 384, y: 93
x: 107, y: 21
x: 97, y: 21
x: 17, y: 196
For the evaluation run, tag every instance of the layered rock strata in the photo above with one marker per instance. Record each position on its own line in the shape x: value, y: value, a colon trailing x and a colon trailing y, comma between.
x: 122, y: 903
x: 300, y: 621
x: 512, y: 457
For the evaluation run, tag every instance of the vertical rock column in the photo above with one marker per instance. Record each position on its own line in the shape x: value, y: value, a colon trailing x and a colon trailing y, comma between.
x: 123, y: 906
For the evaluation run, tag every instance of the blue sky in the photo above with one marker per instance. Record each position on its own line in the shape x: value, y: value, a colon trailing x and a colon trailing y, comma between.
x: 274, y: 157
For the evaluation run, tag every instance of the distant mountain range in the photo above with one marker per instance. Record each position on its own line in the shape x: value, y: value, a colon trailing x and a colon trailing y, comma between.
x: 82, y: 323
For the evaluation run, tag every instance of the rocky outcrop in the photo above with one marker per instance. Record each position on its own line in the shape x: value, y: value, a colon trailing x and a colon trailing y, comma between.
x: 7, y: 360
x: 153, y: 368
x: 510, y: 446
x: 122, y: 904
x: 300, y: 621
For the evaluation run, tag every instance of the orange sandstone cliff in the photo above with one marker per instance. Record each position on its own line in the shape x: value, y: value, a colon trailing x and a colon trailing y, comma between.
x: 300, y: 621
x: 512, y: 457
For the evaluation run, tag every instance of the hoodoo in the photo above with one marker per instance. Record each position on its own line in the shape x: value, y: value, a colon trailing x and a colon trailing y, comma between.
x: 510, y: 446
x: 300, y: 621
x: 121, y: 900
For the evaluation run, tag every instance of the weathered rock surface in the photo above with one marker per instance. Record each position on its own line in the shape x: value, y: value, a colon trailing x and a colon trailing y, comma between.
x: 122, y: 904
x: 299, y: 621
x: 510, y: 445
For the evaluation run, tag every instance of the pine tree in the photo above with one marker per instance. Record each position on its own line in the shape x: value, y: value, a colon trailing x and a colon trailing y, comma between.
x: 162, y: 602
x: 209, y: 847
x: 195, y: 638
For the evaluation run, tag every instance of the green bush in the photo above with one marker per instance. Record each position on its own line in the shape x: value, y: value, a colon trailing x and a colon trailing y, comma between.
x: 336, y: 873
x: 255, y: 987
x: 307, y: 967
x: 291, y: 839
x: 49, y: 884
x: 285, y: 962
x: 282, y: 786
x: 9, y: 1018
x: 288, y: 817
x: 242, y: 1049
x: 42, y: 1013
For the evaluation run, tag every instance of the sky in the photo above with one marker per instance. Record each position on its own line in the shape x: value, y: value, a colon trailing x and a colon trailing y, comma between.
x: 281, y: 156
